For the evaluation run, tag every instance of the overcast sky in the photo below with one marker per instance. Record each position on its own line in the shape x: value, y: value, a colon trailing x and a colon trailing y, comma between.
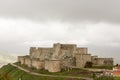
x: 88, y: 23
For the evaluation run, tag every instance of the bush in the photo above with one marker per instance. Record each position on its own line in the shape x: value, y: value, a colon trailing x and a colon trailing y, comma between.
x: 103, y: 67
x: 88, y: 64
x: 104, y: 78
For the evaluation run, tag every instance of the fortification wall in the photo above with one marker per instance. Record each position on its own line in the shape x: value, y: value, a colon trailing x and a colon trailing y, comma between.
x: 81, y: 60
x: 56, y: 51
x: 21, y: 59
x: 94, y: 57
x: 53, y: 65
x: 82, y: 51
x: 28, y: 61
x: 68, y: 62
x: 68, y: 55
x: 70, y: 47
x: 109, y: 61
x: 38, y: 64
x: 41, y: 53
x: 60, y: 50
x: 104, y: 61
x: 94, y: 60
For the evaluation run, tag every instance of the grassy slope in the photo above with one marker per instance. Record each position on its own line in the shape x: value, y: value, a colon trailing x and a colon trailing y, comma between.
x: 16, y: 73
x: 103, y: 67
x: 74, y: 72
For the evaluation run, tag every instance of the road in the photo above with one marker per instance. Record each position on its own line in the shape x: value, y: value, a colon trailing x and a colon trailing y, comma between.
x: 38, y: 74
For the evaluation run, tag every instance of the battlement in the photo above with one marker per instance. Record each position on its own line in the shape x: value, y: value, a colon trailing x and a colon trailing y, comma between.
x: 65, y: 46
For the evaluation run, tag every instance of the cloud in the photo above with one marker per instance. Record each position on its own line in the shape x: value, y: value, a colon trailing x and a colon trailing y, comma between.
x: 65, y: 10
x: 89, y: 23
x: 23, y: 30
x: 17, y: 35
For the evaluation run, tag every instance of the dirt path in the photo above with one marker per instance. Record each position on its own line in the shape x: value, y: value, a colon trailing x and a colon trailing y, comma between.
x: 37, y: 74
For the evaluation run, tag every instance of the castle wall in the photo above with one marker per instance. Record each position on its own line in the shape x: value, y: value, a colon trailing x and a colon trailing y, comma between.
x: 104, y: 61
x: 41, y: 53
x: 69, y: 49
x: 21, y: 59
x: 70, y: 62
x: 56, y: 51
x: 60, y: 56
x: 63, y: 50
x: 82, y: 51
x: 94, y: 60
x: 53, y: 65
x: 38, y: 64
x: 46, y: 53
x: 100, y: 61
x: 28, y: 61
x: 81, y: 60
x: 109, y: 61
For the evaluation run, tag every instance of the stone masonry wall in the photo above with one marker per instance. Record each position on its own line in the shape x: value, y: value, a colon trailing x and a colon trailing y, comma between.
x: 21, y: 59
x: 62, y: 49
x: 53, y: 65
x: 41, y: 53
x: 104, y: 61
x: 28, y: 61
x: 82, y: 51
x: 94, y: 60
x: 81, y: 60
x: 61, y: 55
x: 38, y: 64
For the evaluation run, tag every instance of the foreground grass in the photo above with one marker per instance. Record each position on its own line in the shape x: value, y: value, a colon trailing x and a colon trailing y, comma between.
x: 107, y: 78
x: 103, y: 67
x: 15, y: 74
x: 116, y: 78
x: 74, y: 72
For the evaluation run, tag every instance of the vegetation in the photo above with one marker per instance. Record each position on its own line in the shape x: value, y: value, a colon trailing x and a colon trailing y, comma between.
x: 9, y: 72
x: 5, y: 77
x: 103, y: 67
x: 71, y: 72
x: 104, y: 78
x: 14, y: 74
x: 88, y: 64
x: 116, y: 78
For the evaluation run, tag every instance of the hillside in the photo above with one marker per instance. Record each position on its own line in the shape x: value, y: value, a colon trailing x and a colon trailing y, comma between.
x: 6, y: 58
x: 15, y: 74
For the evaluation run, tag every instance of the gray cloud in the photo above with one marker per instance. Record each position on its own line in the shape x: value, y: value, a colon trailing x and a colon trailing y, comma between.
x: 66, y: 10
x: 90, y: 23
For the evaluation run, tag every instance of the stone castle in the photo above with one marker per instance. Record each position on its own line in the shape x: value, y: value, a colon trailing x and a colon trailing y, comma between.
x: 61, y: 56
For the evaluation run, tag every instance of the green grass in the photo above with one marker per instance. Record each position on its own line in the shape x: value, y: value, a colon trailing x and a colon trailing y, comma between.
x: 107, y: 78
x: 104, y: 78
x: 116, y: 78
x: 73, y: 72
x: 103, y: 67
x: 15, y: 74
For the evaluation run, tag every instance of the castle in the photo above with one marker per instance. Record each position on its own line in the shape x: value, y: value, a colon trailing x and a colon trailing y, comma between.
x: 61, y: 56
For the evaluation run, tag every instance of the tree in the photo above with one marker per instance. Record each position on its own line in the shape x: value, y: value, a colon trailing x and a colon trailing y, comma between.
x: 117, y: 65
x: 88, y: 64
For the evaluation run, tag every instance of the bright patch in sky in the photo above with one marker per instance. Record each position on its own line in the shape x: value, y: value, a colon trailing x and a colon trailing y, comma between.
x: 17, y: 35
